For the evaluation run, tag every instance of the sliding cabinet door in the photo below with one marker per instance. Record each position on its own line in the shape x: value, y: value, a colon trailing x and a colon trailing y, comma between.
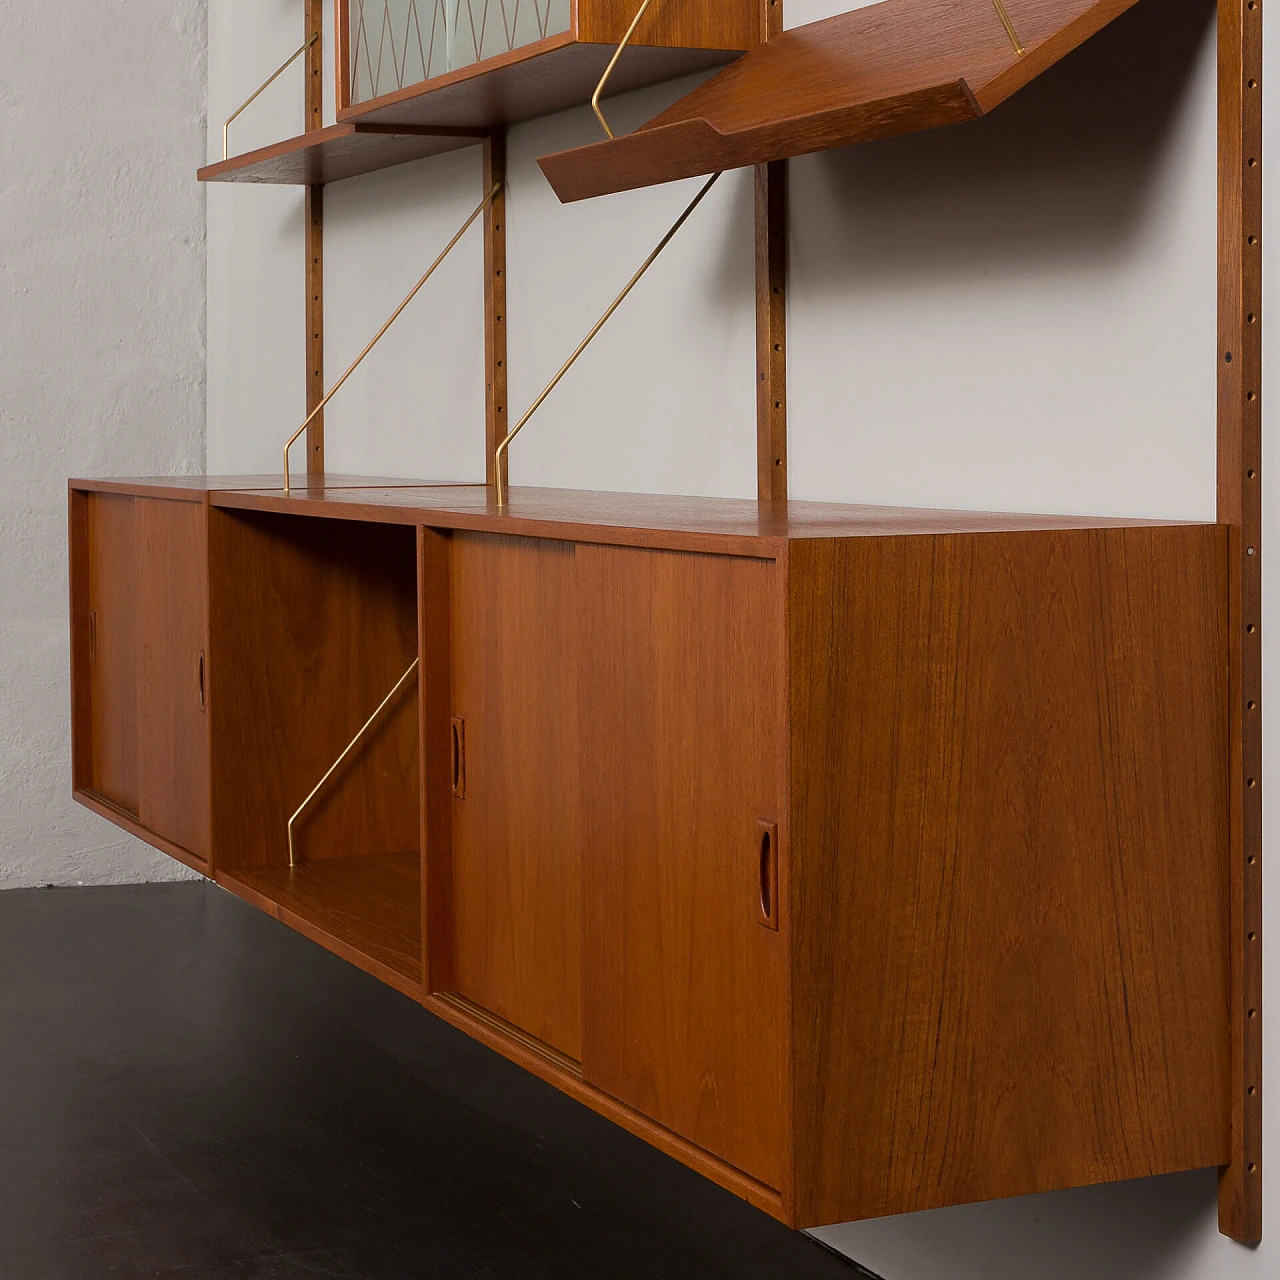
x: 515, y: 870
x: 682, y: 716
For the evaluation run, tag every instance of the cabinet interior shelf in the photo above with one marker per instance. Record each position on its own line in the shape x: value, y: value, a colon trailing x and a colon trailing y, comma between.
x: 339, y: 151
x: 891, y: 68
x: 366, y: 908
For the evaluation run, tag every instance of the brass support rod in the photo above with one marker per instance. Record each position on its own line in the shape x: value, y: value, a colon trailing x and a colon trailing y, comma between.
x: 346, y: 751
x: 395, y: 315
x: 270, y: 80
x: 1018, y: 47
x: 613, y: 62
x: 499, y: 488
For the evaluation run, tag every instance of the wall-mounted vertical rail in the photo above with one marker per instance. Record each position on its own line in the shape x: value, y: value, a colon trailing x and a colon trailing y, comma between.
x: 771, y: 330
x: 313, y: 219
x: 495, y: 307
x: 771, y: 308
x: 1240, y: 507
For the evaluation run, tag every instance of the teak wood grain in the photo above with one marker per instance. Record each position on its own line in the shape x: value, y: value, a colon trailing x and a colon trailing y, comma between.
x: 569, y: 1080
x: 139, y: 631
x: 771, y: 330
x: 516, y: 866
x: 365, y: 909
x: 891, y: 68
x: 338, y: 151
x: 1009, y: 864
x: 990, y: 754
x: 311, y: 624
x: 111, y: 637
x: 731, y: 526
x: 1239, y: 363
x: 494, y: 170
x: 695, y: 24
x: 682, y: 708
x: 172, y: 594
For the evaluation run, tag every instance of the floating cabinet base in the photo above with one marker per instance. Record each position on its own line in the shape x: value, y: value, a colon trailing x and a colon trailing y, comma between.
x: 865, y: 860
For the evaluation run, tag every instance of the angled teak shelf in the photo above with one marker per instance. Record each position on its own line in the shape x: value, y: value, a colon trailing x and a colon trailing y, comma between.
x: 895, y: 67
x: 462, y: 63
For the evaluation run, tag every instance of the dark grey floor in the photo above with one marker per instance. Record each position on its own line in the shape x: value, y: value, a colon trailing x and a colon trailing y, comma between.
x: 189, y: 1090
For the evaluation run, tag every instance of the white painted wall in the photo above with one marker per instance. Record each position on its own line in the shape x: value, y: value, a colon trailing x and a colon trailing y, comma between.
x: 102, y: 360
x: 1014, y: 314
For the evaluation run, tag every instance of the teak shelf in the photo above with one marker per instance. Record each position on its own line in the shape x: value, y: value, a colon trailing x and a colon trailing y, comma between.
x: 895, y: 67
x: 338, y: 151
x: 771, y: 831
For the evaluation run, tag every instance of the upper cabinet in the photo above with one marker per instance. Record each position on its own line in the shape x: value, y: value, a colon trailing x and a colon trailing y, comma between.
x: 477, y: 64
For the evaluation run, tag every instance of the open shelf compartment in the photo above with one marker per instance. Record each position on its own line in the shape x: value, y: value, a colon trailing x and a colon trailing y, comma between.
x: 313, y: 622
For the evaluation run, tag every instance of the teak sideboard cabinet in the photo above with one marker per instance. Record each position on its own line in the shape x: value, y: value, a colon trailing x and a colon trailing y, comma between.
x: 866, y: 860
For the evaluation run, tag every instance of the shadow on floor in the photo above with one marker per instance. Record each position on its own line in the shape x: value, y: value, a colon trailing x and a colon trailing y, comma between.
x: 189, y: 1090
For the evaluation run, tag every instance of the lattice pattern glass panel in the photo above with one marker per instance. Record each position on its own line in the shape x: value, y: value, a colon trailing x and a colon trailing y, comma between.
x: 398, y: 42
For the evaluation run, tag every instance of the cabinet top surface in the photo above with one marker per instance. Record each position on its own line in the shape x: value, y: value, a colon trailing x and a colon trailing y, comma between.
x: 578, y: 514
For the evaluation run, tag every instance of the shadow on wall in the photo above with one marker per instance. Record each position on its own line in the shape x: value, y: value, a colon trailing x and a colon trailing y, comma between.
x: 1123, y: 1231
x: 1064, y: 170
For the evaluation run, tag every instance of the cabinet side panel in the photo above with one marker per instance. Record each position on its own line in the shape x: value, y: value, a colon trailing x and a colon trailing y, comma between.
x: 78, y: 581
x: 704, y: 24
x: 173, y: 753
x: 515, y: 866
x: 113, y: 648
x: 1009, y: 825
x: 683, y: 756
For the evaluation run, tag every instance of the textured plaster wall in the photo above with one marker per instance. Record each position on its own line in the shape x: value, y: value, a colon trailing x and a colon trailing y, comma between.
x: 102, y: 360
x: 1013, y: 314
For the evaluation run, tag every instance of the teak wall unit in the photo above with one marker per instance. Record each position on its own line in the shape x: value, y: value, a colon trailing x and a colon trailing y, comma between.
x: 775, y: 832
x: 866, y: 860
